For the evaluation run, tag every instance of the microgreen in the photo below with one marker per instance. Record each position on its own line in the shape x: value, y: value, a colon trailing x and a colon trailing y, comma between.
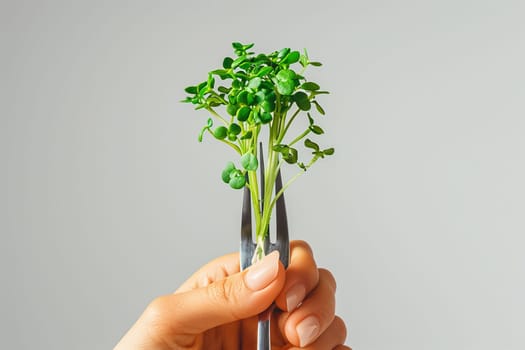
x: 251, y: 93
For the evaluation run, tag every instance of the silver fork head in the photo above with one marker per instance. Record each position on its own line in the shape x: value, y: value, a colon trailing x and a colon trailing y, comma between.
x: 282, y: 243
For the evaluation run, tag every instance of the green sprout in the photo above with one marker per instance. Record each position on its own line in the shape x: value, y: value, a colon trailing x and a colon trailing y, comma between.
x: 261, y: 92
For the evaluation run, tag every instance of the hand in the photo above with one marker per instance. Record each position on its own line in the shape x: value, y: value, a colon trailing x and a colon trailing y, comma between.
x: 217, y: 307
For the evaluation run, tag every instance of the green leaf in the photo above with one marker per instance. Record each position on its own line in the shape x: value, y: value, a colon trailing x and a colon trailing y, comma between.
x: 281, y: 148
x: 285, y: 87
x: 254, y: 83
x: 237, y: 182
x: 210, y: 122
x: 304, y: 59
x: 227, y: 62
x: 285, y: 81
x: 201, y: 133
x: 250, y: 98
x: 214, y: 101
x: 285, y: 75
x: 329, y: 151
x: 243, y: 113
x: 266, y: 117
x: 234, y: 129
x: 283, y: 53
x: 236, y: 84
x: 249, y: 162
x: 201, y: 86
x: 247, y: 136
x: 318, y: 107
x: 220, y: 132
x: 316, y: 129
x: 245, y: 65
x: 315, y: 64
x: 292, y: 57
x: 302, y: 101
x: 261, y: 58
x: 191, y: 89
x: 291, y: 157
x: 288, y: 153
x: 219, y: 72
x: 264, y: 71
x: 231, y: 109
x: 243, y: 97
x: 237, y: 46
x: 310, y: 86
x: 268, y: 106
x: 224, y: 89
x: 260, y: 96
x: 226, y: 172
x: 310, y: 144
x: 238, y: 61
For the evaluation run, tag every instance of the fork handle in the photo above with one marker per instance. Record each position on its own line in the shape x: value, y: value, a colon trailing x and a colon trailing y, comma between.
x: 263, y: 335
x: 263, y: 329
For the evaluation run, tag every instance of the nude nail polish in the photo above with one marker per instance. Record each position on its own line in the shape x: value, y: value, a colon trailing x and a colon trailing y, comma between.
x: 262, y: 273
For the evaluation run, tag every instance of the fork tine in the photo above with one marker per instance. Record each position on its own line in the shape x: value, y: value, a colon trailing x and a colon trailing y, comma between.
x: 261, y: 170
x: 247, y: 245
x: 263, y: 186
x: 283, y: 241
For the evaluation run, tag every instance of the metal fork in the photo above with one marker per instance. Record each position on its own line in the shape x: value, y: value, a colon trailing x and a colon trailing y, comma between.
x: 282, y: 244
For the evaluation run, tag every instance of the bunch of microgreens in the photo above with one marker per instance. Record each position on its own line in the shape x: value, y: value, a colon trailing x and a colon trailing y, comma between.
x: 257, y: 92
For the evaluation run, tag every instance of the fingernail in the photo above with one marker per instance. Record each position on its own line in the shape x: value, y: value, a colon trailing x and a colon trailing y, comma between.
x: 295, y: 296
x: 262, y: 273
x: 307, y: 330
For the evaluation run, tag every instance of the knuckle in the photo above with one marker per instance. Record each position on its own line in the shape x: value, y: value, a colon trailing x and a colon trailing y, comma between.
x: 302, y: 245
x: 155, y: 320
x: 224, y: 292
x: 328, y: 277
x: 154, y: 311
x: 340, y: 328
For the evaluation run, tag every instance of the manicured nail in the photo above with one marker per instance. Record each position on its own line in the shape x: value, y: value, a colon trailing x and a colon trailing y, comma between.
x: 295, y: 296
x: 262, y: 273
x: 307, y: 330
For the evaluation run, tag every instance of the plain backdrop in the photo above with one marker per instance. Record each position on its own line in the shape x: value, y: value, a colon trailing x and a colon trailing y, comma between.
x: 107, y: 199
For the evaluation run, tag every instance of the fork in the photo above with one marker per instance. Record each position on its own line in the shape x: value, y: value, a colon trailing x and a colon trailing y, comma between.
x: 281, y: 244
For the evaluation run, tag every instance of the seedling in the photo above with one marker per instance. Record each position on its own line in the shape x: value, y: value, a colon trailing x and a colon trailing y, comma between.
x: 261, y: 95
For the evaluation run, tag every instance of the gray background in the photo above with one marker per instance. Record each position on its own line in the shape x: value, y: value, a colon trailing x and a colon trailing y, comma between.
x: 107, y: 200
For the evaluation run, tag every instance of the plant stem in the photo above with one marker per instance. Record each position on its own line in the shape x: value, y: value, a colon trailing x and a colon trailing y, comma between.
x: 298, y: 138
x: 296, y: 176
x: 254, y: 192
x: 281, y: 136
x: 232, y: 145
x: 212, y: 111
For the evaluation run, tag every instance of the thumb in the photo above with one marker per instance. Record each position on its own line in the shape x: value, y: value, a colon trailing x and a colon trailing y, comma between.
x: 234, y: 298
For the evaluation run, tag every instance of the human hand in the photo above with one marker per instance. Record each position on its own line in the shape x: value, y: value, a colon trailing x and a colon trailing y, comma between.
x: 217, y: 307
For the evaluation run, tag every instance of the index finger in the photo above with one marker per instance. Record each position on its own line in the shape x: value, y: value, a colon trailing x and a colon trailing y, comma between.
x: 215, y: 270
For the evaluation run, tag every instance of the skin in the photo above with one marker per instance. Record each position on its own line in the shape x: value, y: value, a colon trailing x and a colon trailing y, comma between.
x: 217, y: 307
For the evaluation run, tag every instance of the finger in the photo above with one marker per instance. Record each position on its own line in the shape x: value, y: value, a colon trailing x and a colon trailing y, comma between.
x: 236, y: 297
x: 215, y: 270
x: 301, y: 276
x: 306, y: 323
x: 332, y: 338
